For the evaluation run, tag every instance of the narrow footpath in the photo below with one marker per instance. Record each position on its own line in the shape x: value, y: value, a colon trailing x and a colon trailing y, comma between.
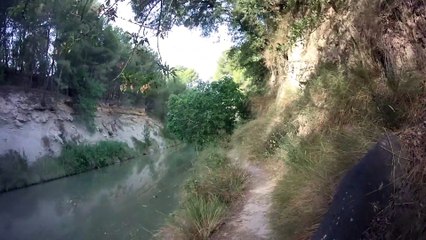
x: 250, y: 219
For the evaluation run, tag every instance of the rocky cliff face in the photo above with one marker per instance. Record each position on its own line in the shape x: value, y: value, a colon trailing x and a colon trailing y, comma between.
x: 377, y: 50
x: 389, y: 37
x: 36, y: 124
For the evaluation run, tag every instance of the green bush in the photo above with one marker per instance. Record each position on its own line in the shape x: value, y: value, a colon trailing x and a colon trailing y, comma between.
x: 201, y: 115
x: 87, y: 102
x: 46, y: 169
x: 142, y: 146
x: 155, y: 100
x: 79, y: 158
x: 74, y: 159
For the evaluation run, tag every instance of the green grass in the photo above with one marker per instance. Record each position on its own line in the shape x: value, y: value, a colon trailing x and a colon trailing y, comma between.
x: 74, y: 159
x: 214, y: 185
x: 204, y: 215
x: 80, y: 158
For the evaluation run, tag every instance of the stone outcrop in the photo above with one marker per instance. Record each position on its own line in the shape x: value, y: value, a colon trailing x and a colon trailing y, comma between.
x: 388, y: 37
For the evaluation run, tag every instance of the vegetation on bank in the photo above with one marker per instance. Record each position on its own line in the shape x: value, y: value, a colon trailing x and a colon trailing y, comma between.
x: 15, y: 172
x: 205, y: 116
x: 70, y: 47
x: 206, y: 112
x: 215, y: 183
x: 320, y: 132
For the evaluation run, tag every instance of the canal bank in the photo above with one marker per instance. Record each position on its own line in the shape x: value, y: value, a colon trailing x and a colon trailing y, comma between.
x: 130, y: 200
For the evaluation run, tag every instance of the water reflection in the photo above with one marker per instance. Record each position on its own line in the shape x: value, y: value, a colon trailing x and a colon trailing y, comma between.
x: 126, y: 201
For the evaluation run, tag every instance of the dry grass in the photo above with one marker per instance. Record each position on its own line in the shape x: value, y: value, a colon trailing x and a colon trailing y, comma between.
x: 405, y: 216
x: 316, y: 163
x: 342, y: 111
x: 322, y: 134
x: 318, y: 134
x: 213, y: 186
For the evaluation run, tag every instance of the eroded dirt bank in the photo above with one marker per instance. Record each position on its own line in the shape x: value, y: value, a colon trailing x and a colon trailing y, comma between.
x: 36, y: 124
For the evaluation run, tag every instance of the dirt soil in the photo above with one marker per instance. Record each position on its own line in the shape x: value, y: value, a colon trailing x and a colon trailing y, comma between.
x: 249, y: 218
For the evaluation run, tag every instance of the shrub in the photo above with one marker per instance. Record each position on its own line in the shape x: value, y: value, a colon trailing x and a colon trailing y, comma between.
x: 201, y: 115
x: 74, y: 159
x: 80, y: 158
x: 142, y: 146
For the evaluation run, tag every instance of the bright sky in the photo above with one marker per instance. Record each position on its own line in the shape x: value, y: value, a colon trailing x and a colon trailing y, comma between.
x: 183, y: 47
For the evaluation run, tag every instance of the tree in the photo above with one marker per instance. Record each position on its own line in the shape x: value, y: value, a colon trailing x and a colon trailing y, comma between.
x: 68, y: 46
x: 186, y: 75
x: 162, y: 15
x: 228, y: 66
x: 202, y: 114
x: 249, y: 22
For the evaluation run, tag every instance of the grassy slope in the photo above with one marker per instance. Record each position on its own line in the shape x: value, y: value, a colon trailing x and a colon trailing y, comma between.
x: 322, y: 131
x: 318, y: 133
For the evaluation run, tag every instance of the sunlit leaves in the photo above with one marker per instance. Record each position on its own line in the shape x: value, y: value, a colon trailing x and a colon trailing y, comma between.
x: 200, y: 115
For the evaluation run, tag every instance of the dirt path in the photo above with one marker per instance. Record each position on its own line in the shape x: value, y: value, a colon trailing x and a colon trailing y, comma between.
x: 250, y: 220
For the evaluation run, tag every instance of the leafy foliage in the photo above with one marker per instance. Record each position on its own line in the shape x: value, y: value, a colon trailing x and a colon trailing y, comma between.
x: 199, y: 115
x: 246, y: 66
x: 250, y: 22
x: 185, y: 75
x: 80, y: 158
x: 228, y: 67
x: 247, y: 21
x: 69, y: 47
x: 15, y: 171
x: 162, y: 15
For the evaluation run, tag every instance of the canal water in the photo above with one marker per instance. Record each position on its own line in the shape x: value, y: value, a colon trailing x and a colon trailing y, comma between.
x: 127, y: 201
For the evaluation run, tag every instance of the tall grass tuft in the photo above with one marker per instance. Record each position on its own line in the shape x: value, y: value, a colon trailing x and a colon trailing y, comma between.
x: 316, y: 163
x: 203, y: 216
x: 214, y: 185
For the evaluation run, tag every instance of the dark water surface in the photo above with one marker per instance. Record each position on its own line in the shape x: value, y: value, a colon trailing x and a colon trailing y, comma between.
x: 126, y: 201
